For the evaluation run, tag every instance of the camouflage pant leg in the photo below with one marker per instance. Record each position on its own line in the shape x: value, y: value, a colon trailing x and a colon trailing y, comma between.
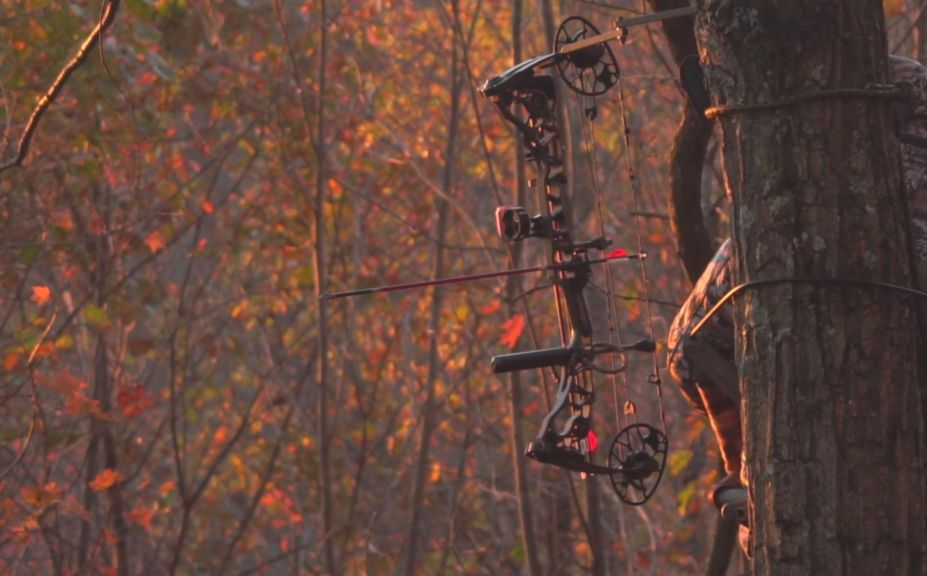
x: 724, y: 419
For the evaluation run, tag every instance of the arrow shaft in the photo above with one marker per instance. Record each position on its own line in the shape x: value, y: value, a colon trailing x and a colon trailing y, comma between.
x: 465, y: 278
x: 434, y: 282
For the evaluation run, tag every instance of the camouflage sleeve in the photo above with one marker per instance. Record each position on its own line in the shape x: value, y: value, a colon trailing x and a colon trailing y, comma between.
x: 713, y: 284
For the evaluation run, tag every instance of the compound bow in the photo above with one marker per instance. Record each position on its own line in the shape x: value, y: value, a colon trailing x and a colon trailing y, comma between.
x: 526, y: 97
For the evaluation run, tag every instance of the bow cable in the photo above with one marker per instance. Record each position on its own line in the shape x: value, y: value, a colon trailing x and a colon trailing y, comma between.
x: 635, y: 191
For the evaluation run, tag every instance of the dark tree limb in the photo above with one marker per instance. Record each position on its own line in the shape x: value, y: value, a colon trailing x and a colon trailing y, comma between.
x: 687, y: 157
x: 107, y: 16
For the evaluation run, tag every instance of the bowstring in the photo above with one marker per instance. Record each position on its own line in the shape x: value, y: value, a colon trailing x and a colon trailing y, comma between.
x: 635, y: 192
x: 614, y: 330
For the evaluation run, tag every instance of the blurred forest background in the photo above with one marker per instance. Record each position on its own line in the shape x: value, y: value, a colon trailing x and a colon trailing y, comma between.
x: 175, y: 397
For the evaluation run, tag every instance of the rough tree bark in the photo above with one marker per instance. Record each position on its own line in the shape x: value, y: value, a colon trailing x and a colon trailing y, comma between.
x: 828, y: 372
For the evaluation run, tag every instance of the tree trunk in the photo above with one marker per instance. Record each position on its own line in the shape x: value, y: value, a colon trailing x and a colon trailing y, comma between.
x: 414, y: 534
x: 828, y: 371
x: 320, y: 282
x: 512, y: 289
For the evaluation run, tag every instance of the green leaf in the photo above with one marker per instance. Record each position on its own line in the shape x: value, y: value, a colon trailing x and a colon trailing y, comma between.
x: 679, y: 461
x: 96, y: 317
x: 28, y: 254
x: 685, y: 496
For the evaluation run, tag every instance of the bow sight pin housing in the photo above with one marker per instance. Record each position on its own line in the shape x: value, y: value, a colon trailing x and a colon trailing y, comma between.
x: 514, y: 223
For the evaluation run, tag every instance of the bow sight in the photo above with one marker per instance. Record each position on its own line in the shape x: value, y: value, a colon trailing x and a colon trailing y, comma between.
x: 526, y: 98
x: 514, y: 223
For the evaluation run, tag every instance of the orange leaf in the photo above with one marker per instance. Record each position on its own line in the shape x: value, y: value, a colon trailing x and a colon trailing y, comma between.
x: 105, y: 480
x: 511, y: 331
x: 41, y: 496
x: 10, y: 361
x: 155, y: 241
x: 335, y: 187
x: 207, y: 207
x: 41, y: 294
x: 22, y: 530
x: 222, y: 433
x: 491, y: 307
x: 141, y: 516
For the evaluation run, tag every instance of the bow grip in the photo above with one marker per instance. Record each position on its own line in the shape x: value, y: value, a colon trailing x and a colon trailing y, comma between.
x: 530, y: 359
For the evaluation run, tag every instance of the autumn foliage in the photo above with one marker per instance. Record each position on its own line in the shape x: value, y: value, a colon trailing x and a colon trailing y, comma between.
x: 159, y: 326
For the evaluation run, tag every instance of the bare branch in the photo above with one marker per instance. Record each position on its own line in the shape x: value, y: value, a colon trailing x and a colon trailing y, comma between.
x: 107, y: 17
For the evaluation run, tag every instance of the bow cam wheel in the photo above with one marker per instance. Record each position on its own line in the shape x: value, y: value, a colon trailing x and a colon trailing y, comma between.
x: 590, y: 71
x: 638, y: 457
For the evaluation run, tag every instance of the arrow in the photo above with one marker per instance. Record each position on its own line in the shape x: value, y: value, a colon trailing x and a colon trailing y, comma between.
x: 613, y: 255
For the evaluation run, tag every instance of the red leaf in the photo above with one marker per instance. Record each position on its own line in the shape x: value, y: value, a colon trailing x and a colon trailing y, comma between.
x: 78, y: 404
x: 642, y: 560
x: 512, y: 330
x: 132, y: 399
x: 491, y: 307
